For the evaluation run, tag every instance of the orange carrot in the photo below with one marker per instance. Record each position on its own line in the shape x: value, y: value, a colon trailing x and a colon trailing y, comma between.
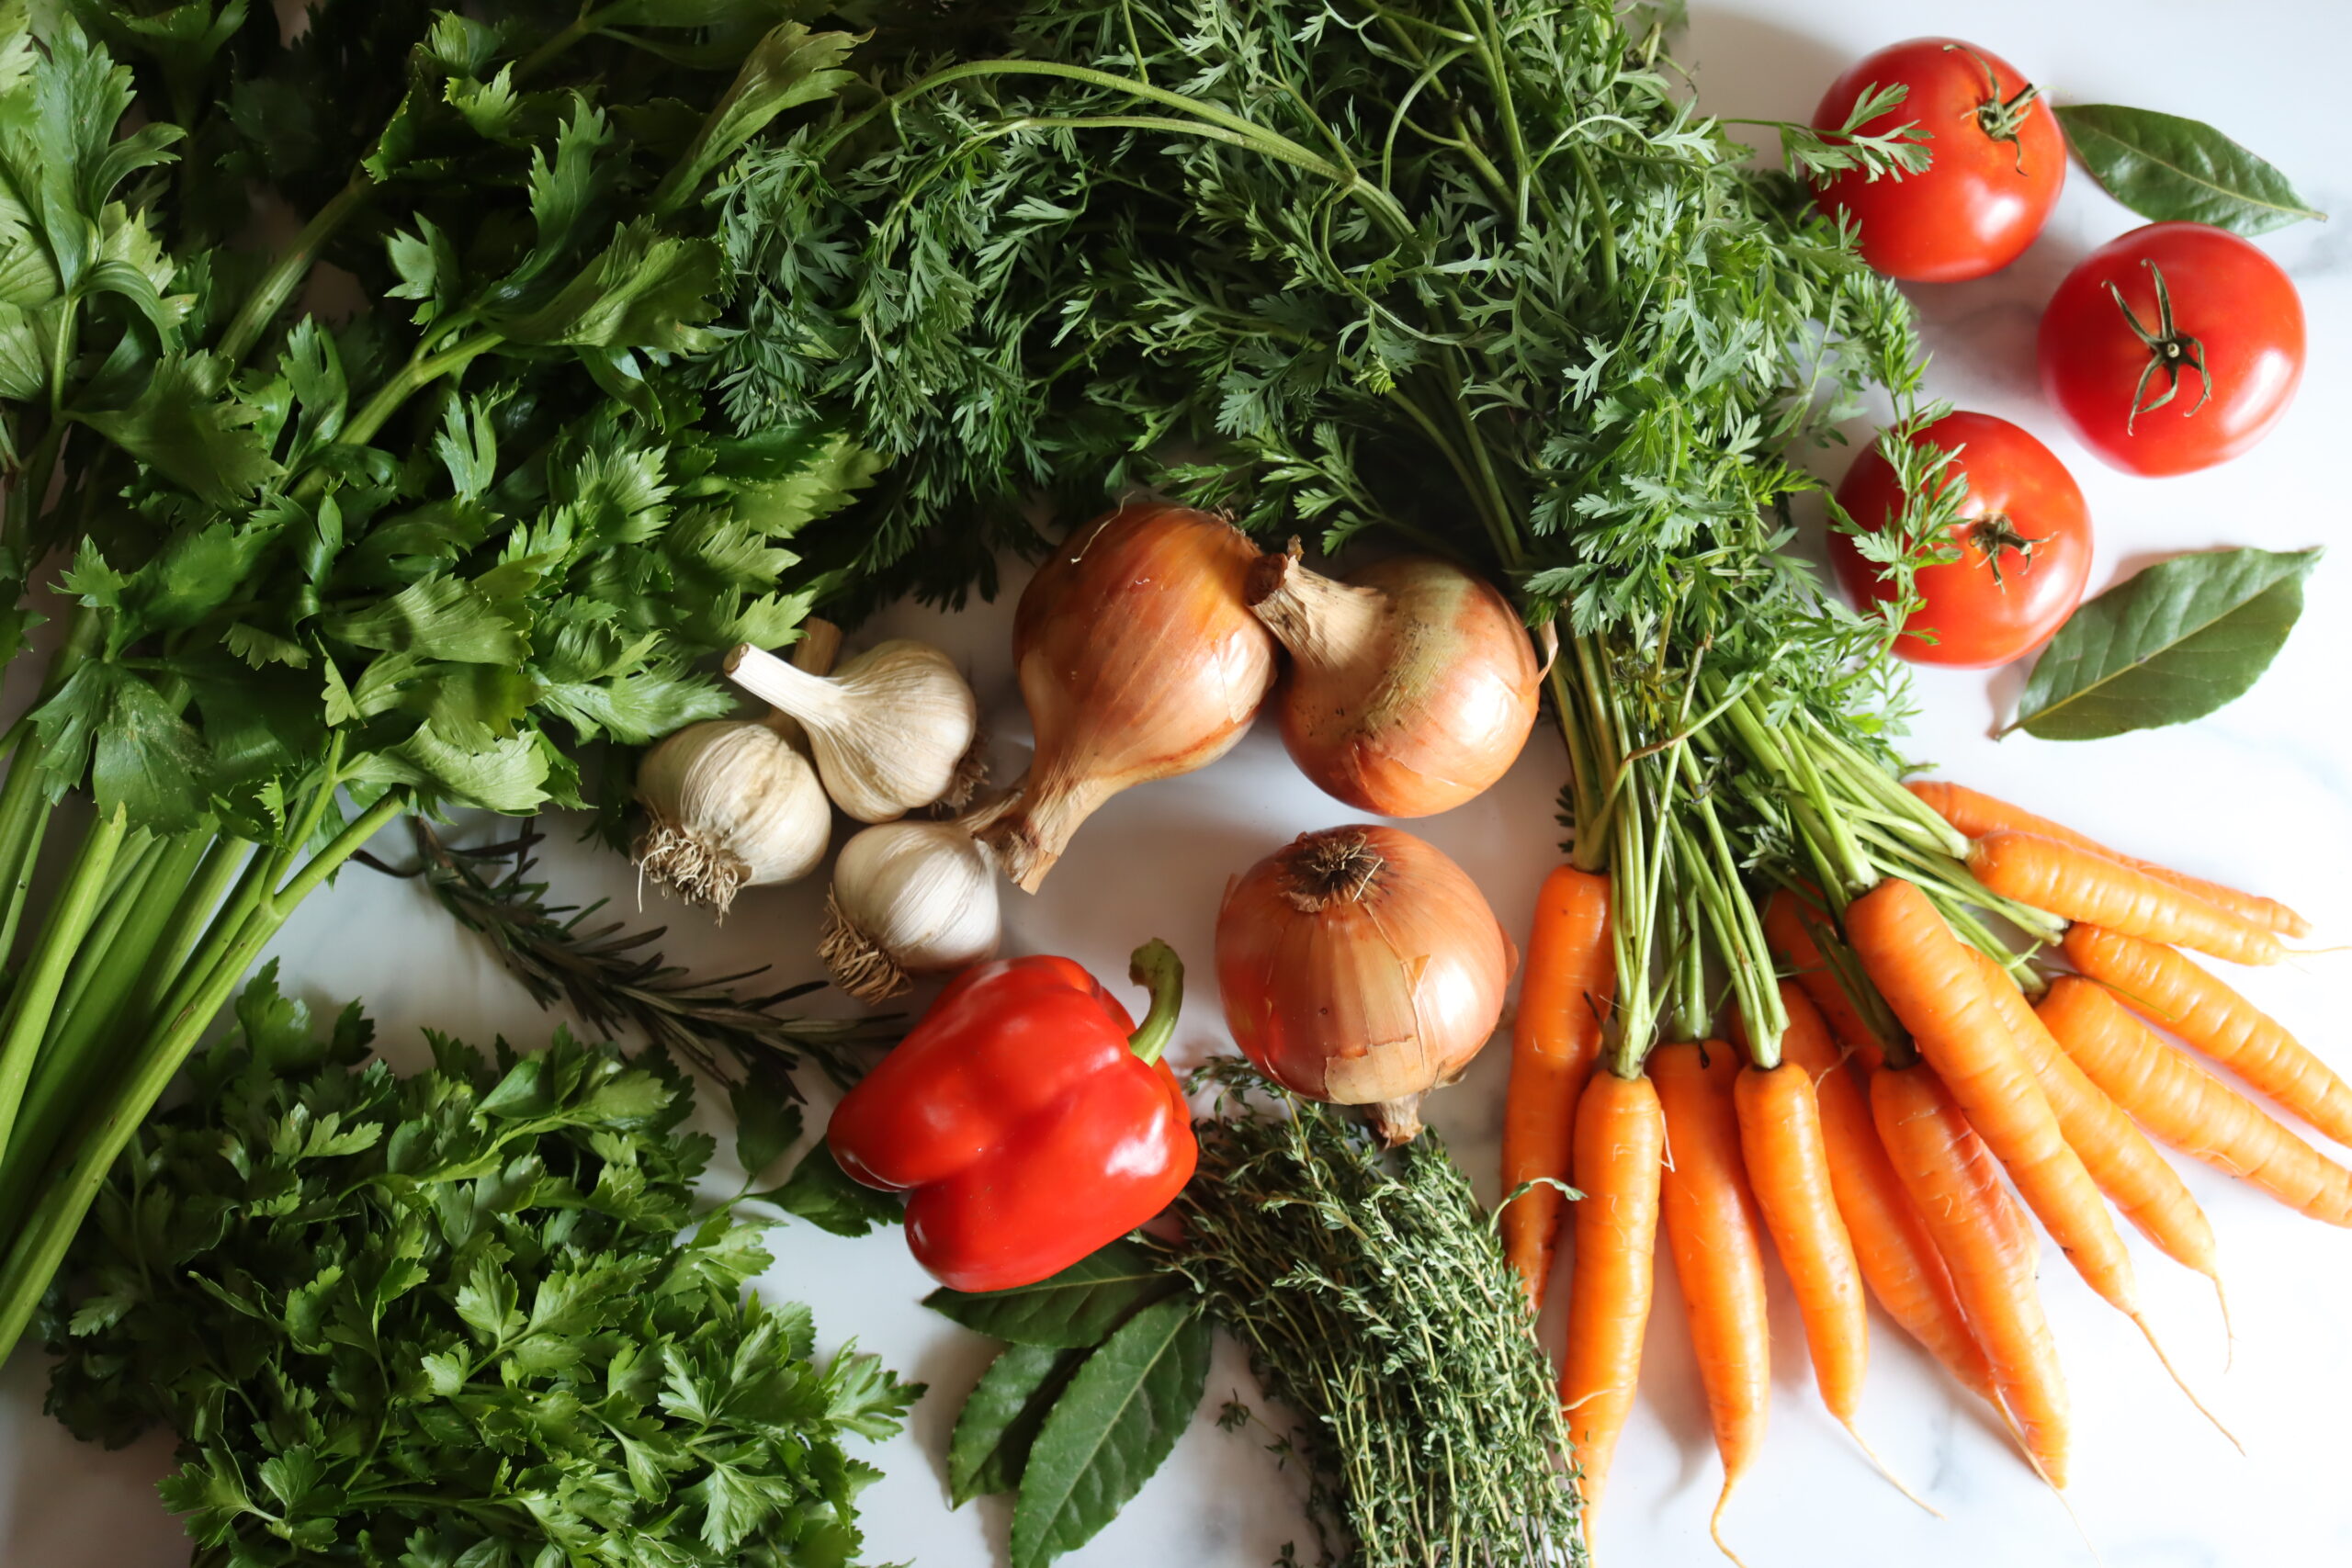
x: 2127, y: 1167
x: 1619, y: 1153
x: 2184, y: 998
x: 1555, y: 1039
x: 1976, y: 814
x: 1927, y: 976
x: 2081, y: 885
x: 1787, y: 1161
x: 1956, y: 1187
x: 1892, y: 1247
x: 1788, y: 1168
x: 1785, y: 928
x: 1712, y: 1226
x: 2188, y: 1107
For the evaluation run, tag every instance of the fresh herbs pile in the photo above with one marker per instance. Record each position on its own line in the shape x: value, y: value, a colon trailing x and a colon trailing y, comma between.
x: 450, y: 1319
x: 1476, y: 277
x: 1376, y: 1300
x: 435, y: 553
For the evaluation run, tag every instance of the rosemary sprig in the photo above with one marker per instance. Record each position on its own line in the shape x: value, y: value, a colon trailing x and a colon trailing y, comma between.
x: 1374, y: 1300
x: 610, y: 976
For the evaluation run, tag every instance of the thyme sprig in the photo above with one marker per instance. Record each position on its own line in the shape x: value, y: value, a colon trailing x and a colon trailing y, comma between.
x: 610, y: 976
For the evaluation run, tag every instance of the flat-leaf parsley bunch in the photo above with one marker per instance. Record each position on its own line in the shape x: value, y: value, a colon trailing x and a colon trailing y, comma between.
x: 448, y: 1319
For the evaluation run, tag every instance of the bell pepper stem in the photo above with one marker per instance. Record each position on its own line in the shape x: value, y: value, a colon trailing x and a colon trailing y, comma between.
x: 1156, y: 967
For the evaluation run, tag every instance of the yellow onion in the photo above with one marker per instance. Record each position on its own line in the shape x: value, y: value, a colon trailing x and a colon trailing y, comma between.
x: 1137, y: 661
x: 1361, y: 965
x: 1412, y: 684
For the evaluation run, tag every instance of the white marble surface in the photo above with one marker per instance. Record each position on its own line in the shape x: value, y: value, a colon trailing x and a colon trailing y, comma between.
x: 2260, y: 794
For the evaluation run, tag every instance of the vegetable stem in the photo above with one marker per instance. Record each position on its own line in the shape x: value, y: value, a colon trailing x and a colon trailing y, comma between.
x: 87, y: 1042
x: 39, y: 1246
x: 418, y: 373
x: 34, y: 997
x: 287, y: 275
x: 1156, y: 967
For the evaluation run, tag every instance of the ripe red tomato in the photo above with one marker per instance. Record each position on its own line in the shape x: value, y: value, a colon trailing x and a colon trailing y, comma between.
x: 2024, y: 537
x: 2173, y: 348
x: 1997, y: 162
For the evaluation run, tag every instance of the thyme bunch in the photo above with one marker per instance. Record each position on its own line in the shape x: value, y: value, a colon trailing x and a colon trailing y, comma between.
x: 1372, y: 1295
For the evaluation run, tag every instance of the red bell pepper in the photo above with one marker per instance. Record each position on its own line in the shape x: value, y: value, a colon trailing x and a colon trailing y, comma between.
x: 1029, y: 1118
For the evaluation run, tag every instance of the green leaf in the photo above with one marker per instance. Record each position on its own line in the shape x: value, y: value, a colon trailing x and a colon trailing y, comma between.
x: 429, y: 270
x: 1120, y: 1416
x: 766, y: 1124
x: 438, y: 617
x: 2178, y: 640
x: 820, y: 1191
x: 865, y: 1396
x: 790, y: 66
x: 1075, y: 1307
x: 647, y: 290
x: 507, y: 775
x: 489, y: 1304
x: 149, y: 760
x: 181, y: 424
x: 999, y: 1422
x: 2165, y: 168
x: 785, y: 477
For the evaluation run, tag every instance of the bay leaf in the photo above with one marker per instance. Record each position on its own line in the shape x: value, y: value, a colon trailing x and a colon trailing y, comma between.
x: 2165, y: 168
x: 1075, y: 1307
x: 2174, y: 643
x: 999, y: 1422
x: 1112, y: 1427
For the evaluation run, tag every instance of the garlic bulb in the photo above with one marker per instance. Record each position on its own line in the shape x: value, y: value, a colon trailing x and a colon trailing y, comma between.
x: 888, y: 728
x: 730, y: 804
x: 908, y: 898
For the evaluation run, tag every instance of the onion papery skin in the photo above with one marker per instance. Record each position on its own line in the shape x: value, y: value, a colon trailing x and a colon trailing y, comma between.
x: 1137, y: 661
x: 1412, y: 685
x: 1360, y: 965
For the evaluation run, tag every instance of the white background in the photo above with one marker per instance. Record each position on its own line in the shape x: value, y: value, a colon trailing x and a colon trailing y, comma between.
x: 2260, y: 794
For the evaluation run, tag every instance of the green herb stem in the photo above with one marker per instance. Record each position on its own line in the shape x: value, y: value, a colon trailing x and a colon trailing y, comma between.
x: 34, y: 997
x: 418, y: 373
x: 29, y: 490
x: 287, y: 275
x: 126, y: 894
x: 1238, y: 130
x: 39, y: 1246
x: 86, y: 1038
x: 25, y: 809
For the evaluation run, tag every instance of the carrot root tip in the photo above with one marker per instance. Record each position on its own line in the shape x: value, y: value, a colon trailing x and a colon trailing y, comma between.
x: 1715, y: 1523
x: 2182, y: 1383
x: 1887, y: 1472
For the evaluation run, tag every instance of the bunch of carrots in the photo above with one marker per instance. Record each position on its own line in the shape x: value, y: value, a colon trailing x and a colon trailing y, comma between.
x: 1927, y: 1097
